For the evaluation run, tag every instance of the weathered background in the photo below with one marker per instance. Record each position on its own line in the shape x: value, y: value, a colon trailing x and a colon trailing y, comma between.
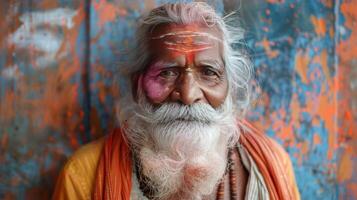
x: 59, y: 57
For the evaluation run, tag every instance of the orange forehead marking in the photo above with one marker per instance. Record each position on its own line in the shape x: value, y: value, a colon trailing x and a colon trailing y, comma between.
x: 187, y: 42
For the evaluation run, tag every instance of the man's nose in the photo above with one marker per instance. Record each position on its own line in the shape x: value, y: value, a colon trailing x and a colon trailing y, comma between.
x: 188, y: 90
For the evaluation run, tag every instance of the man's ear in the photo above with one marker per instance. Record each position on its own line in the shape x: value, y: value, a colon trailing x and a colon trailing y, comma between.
x: 135, y: 84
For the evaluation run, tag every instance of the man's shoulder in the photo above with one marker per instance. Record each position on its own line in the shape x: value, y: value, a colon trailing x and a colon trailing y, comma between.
x: 270, y: 153
x: 83, y: 163
x: 93, y: 148
x: 86, y: 156
x: 78, y: 175
x: 267, y: 145
x: 279, y: 150
x: 266, y: 141
x: 285, y: 160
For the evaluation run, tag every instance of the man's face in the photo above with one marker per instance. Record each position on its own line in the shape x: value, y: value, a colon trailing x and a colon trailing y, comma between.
x: 186, y: 66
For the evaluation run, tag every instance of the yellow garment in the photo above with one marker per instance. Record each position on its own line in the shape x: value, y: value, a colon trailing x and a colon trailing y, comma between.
x: 77, y: 178
x: 78, y: 175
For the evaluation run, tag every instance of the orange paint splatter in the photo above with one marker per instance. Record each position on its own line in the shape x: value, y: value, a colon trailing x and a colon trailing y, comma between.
x: 324, y: 106
x: 347, y: 51
x: 267, y: 47
x: 315, y: 121
x: 299, y: 156
x: 332, y: 32
x: 305, y: 148
x: 345, y: 169
x: 324, y: 66
x: 316, y: 140
x: 301, y: 65
x: 7, y: 106
x: 49, y: 4
x: 286, y: 133
x: 352, y: 187
x: 319, y: 25
x: 348, y: 116
x: 327, y: 3
x: 107, y: 12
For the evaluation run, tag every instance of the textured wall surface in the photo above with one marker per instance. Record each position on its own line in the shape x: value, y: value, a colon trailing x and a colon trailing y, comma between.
x: 59, y: 59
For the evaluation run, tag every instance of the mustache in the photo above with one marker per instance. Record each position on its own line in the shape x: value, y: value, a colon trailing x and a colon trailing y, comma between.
x: 174, y: 112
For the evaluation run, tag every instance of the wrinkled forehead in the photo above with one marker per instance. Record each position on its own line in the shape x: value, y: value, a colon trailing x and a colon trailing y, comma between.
x: 185, y: 38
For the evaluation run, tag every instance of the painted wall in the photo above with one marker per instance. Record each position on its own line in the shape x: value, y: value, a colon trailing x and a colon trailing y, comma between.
x: 58, y: 62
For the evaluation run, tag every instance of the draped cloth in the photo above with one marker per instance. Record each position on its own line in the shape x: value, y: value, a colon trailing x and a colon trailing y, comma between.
x: 114, y: 172
x: 268, y: 161
x: 113, y: 177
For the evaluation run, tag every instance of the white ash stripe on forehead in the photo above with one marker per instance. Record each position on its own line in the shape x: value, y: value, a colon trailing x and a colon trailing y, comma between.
x: 188, y: 46
x: 187, y: 43
x: 185, y: 34
x: 188, y: 50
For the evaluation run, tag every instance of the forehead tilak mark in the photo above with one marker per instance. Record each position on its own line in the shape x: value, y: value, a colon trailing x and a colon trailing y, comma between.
x: 188, y: 50
x: 187, y: 46
x: 185, y: 42
x: 185, y: 34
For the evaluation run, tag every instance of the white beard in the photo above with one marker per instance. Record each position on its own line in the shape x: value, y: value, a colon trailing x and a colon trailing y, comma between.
x: 182, y: 150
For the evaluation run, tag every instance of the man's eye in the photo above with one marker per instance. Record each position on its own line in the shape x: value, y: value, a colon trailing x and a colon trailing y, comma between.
x: 168, y: 73
x: 209, y: 72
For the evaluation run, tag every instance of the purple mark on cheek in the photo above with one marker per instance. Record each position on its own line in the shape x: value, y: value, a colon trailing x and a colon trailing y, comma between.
x: 155, y: 89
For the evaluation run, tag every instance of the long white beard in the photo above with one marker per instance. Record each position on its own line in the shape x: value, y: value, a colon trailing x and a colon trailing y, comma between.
x: 182, y: 150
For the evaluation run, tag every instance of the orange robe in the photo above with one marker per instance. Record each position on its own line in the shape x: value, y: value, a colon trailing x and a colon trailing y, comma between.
x: 102, y: 169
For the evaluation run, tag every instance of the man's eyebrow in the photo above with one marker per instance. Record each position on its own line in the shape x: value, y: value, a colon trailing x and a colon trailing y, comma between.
x: 161, y: 63
x: 214, y: 63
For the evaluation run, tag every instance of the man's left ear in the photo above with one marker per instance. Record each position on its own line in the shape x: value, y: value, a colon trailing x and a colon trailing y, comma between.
x: 135, y: 79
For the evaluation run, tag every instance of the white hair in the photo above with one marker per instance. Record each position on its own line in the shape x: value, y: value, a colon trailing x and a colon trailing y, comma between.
x: 237, y: 62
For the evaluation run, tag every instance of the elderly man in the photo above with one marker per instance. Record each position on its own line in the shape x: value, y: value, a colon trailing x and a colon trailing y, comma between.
x: 182, y: 133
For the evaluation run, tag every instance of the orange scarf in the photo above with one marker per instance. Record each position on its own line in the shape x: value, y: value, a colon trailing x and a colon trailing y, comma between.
x: 113, y: 178
x: 263, y: 151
